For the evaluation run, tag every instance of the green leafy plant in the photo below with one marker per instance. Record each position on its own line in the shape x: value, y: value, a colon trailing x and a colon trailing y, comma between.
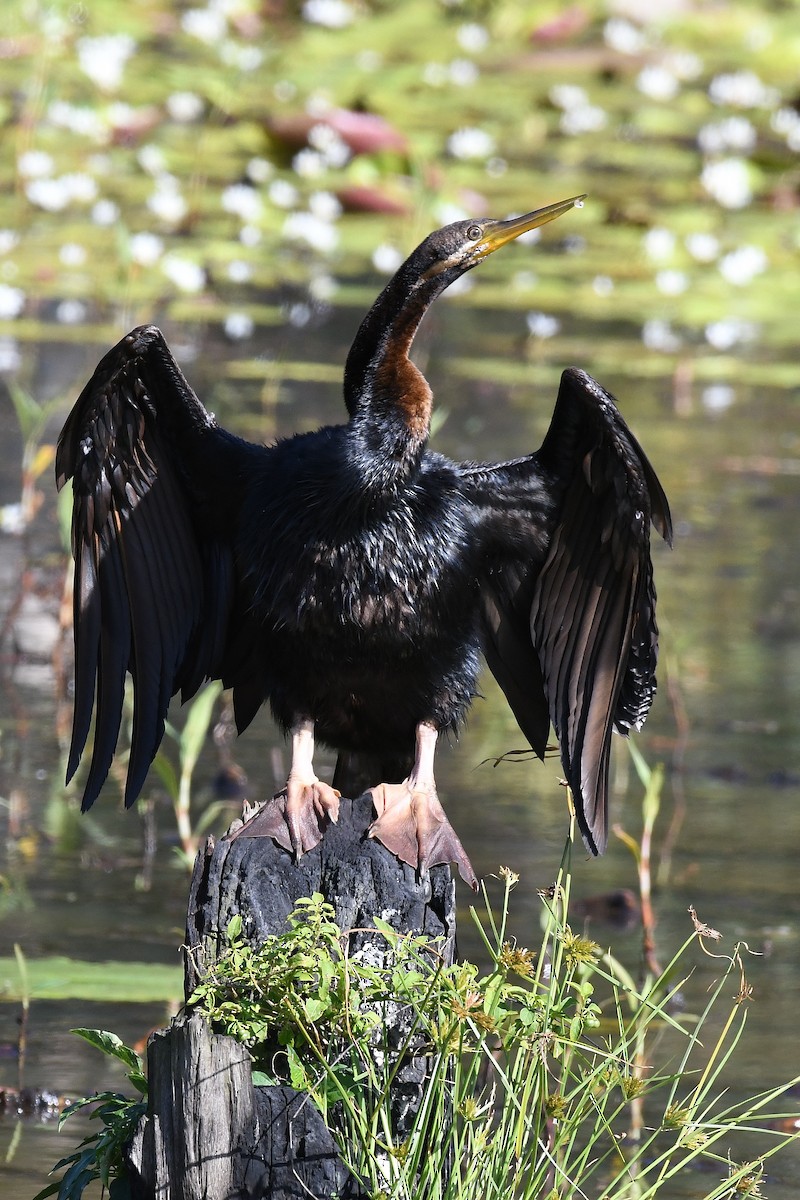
x: 550, y: 1074
x: 537, y: 1076
x: 178, y: 783
x: 99, y: 1156
x: 37, y: 455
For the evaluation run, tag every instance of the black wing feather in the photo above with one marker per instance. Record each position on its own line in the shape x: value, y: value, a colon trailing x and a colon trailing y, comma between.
x: 571, y: 635
x: 154, y: 510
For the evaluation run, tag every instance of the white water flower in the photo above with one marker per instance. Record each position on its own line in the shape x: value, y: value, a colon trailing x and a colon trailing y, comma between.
x: 119, y: 115
x: 305, y: 227
x: 244, y: 58
x: 742, y: 265
x: 728, y: 182
x: 258, y: 170
x: 659, y: 335
x: 9, y: 240
x: 435, y: 74
x: 741, y: 89
x: 672, y: 283
x: 239, y: 271
x: 105, y: 212
x: 322, y: 288
x: 82, y: 188
x: 542, y: 325
x: 187, y: 275
x: 49, y: 194
x: 35, y: 164
x: 386, y: 258
x: 239, y: 325
x: 250, y: 235
x: 206, y: 24
x: 786, y: 123
x: 685, y: 64
x: 446, y: 213
x: 72, y: 254
x: 71, y: 312
x: 588, y: 118
x: 472, y: 37
x: 333, y: 14
x: 185, y: 106
x: 330, y: 144
x: 729, y: 332
x: 568, y: 95
x: 463, y: 72
x: 717, y: 397
x: 623, y: 36
x: 308, y: 163
x: 460, y: 286
x: 283, y: 194
x: 299, y: 314
x: 658, y: 82
x: 151, y: 159
x: 242, y: 200
x: 12, y: 302
x: 659, y: 243
x: 166, y: 202
x: 10, y: 355
x: 104, y: 58
x: 78, y: 119
x: 146, y: 249
x: 703, y: 247
x: 470, y: 143
x: 734, y: 133
x: 325, y: 205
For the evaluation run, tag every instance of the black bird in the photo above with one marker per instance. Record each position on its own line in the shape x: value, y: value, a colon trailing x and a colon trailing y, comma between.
x: 352, y: 577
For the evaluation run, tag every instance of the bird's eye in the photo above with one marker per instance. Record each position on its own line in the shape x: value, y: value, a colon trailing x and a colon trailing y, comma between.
x: 474, y: 232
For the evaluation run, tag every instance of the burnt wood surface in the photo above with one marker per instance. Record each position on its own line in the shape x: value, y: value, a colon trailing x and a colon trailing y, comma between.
x: 209, y: 1134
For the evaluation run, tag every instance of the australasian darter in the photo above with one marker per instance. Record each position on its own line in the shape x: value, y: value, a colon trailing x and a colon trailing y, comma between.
x: 353, y: 578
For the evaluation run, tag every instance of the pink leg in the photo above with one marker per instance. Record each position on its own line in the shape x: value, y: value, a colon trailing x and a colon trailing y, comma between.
x: 411, y: 821
x: 298, y: 815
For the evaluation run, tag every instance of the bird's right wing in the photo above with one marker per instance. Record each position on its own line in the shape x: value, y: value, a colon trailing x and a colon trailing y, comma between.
x: 154, y: 501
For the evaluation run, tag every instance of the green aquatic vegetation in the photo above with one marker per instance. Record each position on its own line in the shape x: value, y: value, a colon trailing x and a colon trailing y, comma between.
x: 548, y: 1073
x: 100, y: 1156
x: 538, y: 1069
x: 178, y: 783
x: 171, y: 169
x: 57, y: 977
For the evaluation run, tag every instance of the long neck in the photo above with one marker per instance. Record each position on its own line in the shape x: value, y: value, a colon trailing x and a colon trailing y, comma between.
x: 387, y: 396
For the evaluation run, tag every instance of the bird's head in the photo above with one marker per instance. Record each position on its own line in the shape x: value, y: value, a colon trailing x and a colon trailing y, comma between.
x: 449, y: 252
x: 385, y: 335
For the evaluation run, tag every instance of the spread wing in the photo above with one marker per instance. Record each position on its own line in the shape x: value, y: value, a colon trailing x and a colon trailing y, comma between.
x: 155, y: 504
x: 569, y: 602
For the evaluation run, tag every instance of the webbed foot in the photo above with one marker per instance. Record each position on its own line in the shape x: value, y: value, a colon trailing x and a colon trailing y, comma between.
x: 298, y: 815
x: 412, y: 824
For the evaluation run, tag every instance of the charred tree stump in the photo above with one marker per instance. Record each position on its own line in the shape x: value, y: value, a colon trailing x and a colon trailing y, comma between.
x: 209, y: 1133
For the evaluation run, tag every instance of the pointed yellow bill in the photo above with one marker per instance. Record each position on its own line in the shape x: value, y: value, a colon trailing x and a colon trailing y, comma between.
x: 498, y: 233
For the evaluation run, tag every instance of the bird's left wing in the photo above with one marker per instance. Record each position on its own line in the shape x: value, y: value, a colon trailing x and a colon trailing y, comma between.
x: 568, y: 593
x: 154, y: 492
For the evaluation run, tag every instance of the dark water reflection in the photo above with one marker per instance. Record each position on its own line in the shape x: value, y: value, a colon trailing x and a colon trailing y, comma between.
x: 731, y: 636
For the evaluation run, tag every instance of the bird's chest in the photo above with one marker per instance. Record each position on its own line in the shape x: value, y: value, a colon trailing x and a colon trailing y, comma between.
x: 398, y: 577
